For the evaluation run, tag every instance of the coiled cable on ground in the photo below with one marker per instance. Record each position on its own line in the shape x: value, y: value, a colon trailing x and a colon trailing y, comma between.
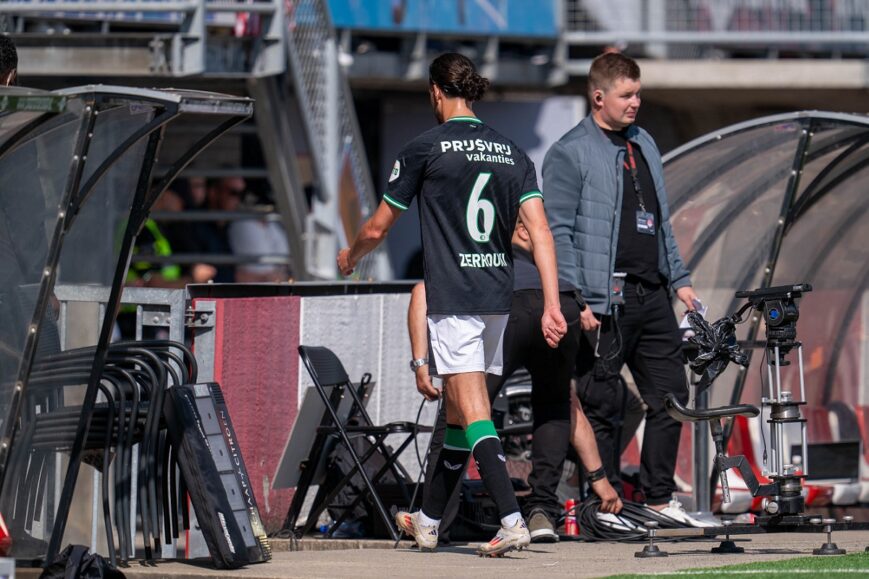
x: 626, y: 526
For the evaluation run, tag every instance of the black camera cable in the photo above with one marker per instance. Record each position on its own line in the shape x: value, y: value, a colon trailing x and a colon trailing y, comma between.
x: 626, y: 526
x: 616, y: 349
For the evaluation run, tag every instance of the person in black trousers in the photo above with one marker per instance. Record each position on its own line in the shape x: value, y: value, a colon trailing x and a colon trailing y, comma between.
x: 606, y: 203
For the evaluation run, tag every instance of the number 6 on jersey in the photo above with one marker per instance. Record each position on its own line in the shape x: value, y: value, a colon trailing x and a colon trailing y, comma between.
x: 477, y: 205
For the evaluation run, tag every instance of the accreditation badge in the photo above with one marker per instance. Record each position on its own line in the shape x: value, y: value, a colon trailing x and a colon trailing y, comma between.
x: 645, y: 222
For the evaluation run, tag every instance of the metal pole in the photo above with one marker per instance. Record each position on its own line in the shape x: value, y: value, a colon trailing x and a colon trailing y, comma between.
x: 778, y: 425
x: 702, y: 494
x: 803, y: 424
x: 772, y: 439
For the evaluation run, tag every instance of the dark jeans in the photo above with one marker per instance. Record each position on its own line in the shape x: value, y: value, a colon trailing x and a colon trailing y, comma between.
x: 551, y: 371
x: 651, y: 346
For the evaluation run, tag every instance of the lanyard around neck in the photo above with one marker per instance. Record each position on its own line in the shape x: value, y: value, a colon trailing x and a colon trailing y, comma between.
x: 631, y: 166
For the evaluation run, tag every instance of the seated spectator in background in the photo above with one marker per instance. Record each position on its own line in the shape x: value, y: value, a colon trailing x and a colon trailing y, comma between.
x: 190, y: 192
x: 194, y: 193
x: 259, y: 237
x: 211, y: 237
x: 162, y: 240
x: 222, y: 236
x: 8, y: 62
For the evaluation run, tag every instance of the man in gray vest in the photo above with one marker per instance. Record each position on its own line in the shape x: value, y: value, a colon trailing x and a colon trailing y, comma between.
x: 607, y: 207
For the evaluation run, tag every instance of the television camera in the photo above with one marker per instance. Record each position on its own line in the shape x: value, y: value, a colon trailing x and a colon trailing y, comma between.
x: 717, y: 347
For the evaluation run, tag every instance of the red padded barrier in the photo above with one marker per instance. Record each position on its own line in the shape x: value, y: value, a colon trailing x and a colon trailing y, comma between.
x: 631, y: 455
x: 256, y: 363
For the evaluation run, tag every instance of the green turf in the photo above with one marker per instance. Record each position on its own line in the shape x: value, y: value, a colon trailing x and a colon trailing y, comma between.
x: 854, y: 565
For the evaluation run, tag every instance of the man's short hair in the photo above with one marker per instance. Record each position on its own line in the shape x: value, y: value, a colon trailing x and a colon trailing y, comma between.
x: 8, y: 55
x: 607, y: 68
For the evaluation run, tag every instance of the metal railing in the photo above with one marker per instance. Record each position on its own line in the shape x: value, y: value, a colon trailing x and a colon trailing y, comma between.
x: 175, y: 34
x: 813, y: 26
x: 161, y: 37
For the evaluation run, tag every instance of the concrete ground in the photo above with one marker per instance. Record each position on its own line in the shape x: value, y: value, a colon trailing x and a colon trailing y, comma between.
x: 376, y: 559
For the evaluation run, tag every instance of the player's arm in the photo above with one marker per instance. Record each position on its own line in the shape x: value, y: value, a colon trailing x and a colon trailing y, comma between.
x: 404, y: 183
x: 372, y: 233
x: 534, y: 218
x: 582, y: 438
x: 417, y: 328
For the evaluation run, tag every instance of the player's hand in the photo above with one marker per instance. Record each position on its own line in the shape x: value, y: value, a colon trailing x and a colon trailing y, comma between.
x: 609, y: 498
x: 424, y: 385
x: 344, y: 264
x: 687, y: 296
x: 554, y: 326
x: 588, y: 320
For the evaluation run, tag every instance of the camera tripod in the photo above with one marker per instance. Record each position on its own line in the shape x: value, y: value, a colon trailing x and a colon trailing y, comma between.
x: 783, y: 503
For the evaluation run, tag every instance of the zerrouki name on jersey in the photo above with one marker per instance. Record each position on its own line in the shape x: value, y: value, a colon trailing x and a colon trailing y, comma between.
x: 483, y: 260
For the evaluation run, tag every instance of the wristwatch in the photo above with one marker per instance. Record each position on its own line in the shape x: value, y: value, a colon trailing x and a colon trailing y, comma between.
x: 417, y: 363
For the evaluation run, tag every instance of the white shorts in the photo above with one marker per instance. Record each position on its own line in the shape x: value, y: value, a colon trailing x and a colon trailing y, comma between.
x: 467, y: 343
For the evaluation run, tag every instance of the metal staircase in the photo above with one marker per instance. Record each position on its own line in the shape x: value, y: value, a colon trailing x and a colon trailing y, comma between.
x: 347, y: 195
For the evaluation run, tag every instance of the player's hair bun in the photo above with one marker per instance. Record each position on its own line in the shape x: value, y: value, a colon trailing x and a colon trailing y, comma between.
x: 456, y: 76
x: 473, y: 86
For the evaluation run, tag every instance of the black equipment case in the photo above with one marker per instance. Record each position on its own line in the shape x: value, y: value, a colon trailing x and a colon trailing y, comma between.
x: 213, y: 469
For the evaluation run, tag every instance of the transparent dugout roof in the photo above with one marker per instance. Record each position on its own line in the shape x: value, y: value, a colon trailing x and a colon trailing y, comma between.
x: 76, y: 185
x: 777, y: 201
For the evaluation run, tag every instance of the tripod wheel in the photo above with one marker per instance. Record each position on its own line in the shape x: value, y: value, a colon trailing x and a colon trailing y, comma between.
x: 651, y: 551
x: 726, y: 548
x: 829, y: 549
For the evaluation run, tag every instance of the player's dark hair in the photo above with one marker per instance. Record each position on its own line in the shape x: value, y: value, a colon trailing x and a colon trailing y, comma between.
x: 8, y: 56
x: 457, y: 77
x: 607, y: 68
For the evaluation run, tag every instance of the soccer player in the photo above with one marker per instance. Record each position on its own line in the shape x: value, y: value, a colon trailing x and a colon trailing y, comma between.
x: 471, y: 184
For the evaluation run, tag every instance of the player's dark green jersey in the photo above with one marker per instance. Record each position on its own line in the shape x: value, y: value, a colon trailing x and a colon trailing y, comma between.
x: 470, y: 181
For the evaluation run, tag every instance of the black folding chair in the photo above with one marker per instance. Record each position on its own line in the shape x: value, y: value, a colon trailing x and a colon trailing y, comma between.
x: 328, y: 373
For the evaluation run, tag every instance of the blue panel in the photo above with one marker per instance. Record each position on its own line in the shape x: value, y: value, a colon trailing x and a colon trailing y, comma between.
x: 498, y: 17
